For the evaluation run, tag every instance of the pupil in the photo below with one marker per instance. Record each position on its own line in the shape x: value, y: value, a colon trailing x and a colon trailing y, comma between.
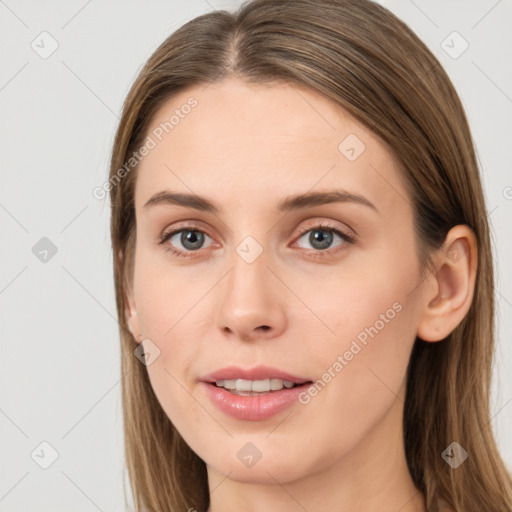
x: 192, y: 239
x: 322, y: 241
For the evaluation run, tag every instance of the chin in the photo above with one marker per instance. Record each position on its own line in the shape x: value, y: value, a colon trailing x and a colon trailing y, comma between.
x: 267, y: 469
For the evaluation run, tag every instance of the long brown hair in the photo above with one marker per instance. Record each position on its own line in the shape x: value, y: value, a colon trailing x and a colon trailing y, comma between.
x: 363, y: 58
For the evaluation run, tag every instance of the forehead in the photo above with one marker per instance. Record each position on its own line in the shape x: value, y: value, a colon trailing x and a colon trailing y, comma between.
x: 253, y: 142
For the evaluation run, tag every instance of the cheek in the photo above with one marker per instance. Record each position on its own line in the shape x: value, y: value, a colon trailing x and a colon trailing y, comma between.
x: 174, y: 307
x: 363, y: 366
x: 371, y: 302
x: 167, y: 298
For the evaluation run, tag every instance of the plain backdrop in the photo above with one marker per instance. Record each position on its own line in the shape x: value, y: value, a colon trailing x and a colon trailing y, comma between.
x: 65, y: 69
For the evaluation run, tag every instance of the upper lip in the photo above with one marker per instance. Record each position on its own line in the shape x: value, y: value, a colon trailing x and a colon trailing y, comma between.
x: 256, y: 373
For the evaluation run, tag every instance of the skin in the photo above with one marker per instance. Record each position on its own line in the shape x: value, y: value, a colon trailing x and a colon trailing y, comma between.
x: 246, y: 147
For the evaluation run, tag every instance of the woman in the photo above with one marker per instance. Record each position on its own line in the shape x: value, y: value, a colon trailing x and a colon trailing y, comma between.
x: 303, y: 270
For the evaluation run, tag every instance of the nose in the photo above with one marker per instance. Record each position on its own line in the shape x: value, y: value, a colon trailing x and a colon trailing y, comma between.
x: 251, y: 301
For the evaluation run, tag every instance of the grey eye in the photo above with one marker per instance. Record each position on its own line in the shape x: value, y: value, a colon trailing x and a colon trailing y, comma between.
x: 190, y: 239
x: 321, y: 238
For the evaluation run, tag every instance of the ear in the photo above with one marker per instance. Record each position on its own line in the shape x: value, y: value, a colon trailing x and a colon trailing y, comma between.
x: 132, y: 320
x: 450, y: 287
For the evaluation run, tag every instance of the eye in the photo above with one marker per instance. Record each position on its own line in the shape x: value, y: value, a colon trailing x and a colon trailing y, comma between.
x: 322, y: 236
x: 190, y: 238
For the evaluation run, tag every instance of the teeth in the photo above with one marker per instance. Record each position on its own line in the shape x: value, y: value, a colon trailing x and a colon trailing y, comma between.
x: 276, y: 384
x: 259, y: 386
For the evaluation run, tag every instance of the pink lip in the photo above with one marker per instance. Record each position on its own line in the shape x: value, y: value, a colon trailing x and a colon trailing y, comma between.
x: 252, y: 408
x: 259, y: 407
x: 256, y: 373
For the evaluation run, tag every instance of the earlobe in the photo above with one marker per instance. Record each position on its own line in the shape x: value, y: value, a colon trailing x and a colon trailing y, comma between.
x: 449, y: 289
x: 130, y: 314
x: 132, y: 320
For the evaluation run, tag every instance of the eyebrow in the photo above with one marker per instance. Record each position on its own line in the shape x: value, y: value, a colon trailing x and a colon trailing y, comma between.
x: 296, y: 202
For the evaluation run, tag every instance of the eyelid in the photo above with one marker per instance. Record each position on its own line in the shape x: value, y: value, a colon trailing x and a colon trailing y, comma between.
x: 326, y: 224
x: 191, y: 225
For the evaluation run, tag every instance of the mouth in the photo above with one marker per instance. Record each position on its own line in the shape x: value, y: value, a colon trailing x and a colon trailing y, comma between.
x: 254, y: 381
x: 253, y: 395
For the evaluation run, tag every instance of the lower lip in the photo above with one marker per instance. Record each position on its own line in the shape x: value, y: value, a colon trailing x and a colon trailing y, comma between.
x: 253, y: 408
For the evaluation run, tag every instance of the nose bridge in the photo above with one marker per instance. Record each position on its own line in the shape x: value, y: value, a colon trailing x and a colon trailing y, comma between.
x: 248, y: 280
x: 248, y: 299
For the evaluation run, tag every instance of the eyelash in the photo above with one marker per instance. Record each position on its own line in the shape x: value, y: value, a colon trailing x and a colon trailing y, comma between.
x: 315, y: 253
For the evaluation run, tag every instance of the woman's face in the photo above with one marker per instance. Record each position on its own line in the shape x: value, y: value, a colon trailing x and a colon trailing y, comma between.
x: 322, y: 289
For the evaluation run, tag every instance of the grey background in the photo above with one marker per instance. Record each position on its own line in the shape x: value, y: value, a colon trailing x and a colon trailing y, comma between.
x: 59, y: 373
